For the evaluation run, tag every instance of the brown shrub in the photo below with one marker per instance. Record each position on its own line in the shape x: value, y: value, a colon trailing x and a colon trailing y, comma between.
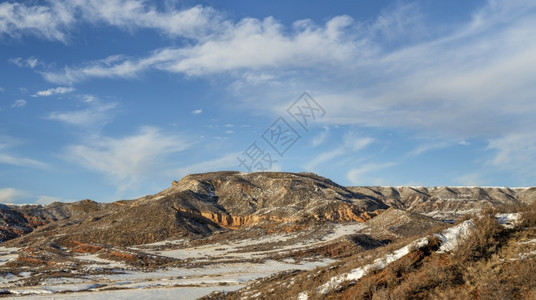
x: 528, y: 215
x: 483, y: 240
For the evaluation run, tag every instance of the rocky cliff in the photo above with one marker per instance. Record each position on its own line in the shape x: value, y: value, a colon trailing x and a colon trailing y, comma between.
x: 448, y: 202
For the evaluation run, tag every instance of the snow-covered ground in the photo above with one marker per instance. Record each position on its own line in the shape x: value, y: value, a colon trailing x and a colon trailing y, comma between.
x: 359, y: 272
x: 508, y: 220
x: 227, y: 267
x: 134, y: 294
x: 7, y: 254
x: 451, y: 237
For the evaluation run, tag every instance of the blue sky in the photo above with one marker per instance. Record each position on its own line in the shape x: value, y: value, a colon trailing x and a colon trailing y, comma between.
x: 114, y: 99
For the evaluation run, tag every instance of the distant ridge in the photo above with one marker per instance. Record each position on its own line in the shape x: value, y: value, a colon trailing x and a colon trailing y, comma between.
x: 199, y: 205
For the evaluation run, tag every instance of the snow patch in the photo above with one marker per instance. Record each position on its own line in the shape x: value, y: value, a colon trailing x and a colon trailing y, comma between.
x: 450, y: 237
x: 508, y: 220
x: 378, y: 264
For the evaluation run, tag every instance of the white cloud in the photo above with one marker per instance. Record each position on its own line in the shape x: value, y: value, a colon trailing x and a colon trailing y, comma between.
x: 30, y: 62
x: 55, y: 19
x: 7, y: 142
x: 350, y: 144
x: 246, y: 45
x: 16, y: 160
x: 45, y: 200
x: 356, y: 144
x: 89, y: 98
x: 9, y: 195
x: 470, y: 179
x: 474, y: 80
x: 319, y: 139
x: 324, y: 157
x: 15, y: 196
x: 515, y: 151
x: 48, y: 22
x: 55, y: 91
x: 96, y: 115
x: 226, y: 162
x: 19, y: 103
x: 128, y: 160
x: 192, y: 22
x: 357, y: 176
x: 197, y: 112
x: 433, y: 145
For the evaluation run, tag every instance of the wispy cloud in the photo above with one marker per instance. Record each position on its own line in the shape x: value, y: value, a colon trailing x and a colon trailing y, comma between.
x: 16, y: 160
x: 357, y: 176
x: 197, y: 112
x: 19, y: 103
x: 17, y: 196
x: 55, y: 20
x: 9, y: 195
x: 324, y: 157
x: 475, y: 80
x: 54, y: 91
x: 30, y: 62
x: 48, y: 22
x: 127, y: 160
x: 320, y: 138
x: 96, y: 115
x: 350, y: 145
x: 45, y: 200
x: 515, y: 152
x: 305, y: 45
x: 226, y: 162
x: 470, y: 179
x: 7, y: 158
x: 194, y: 22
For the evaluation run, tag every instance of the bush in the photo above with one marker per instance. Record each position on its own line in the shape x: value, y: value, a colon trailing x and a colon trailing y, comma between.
x: 483, y: 241
x: 528, y: 215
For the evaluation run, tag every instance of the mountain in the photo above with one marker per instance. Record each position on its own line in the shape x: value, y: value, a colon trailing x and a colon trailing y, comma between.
x: 201, y: 204
x: 253, y: 233
x: 448, y: 202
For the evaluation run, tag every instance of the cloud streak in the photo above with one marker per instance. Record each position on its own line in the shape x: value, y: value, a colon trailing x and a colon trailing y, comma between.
x: 54, y: 91
x: 476, y: 80
x: 9, y: 195
x: 16, y: 160
x: 56, y: 19
x: 19, y: 103
x: 128, y: 160
x: 237, y: 48
x: 97, y: 115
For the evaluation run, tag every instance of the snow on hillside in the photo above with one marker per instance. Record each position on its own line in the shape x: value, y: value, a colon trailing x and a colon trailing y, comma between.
x: 450, y: 238
x: 508, y: 220
x: 378, y: 264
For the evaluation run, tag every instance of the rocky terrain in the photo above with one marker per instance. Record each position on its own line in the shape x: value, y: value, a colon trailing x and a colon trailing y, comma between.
x: 448, y: 202
x: 225, y: 231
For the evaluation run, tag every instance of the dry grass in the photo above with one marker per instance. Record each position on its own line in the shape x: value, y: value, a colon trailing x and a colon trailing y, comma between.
x: 487, y: 265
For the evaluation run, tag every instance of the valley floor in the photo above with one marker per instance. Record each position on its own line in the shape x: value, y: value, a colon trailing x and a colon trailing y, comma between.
x: 197, y: 270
